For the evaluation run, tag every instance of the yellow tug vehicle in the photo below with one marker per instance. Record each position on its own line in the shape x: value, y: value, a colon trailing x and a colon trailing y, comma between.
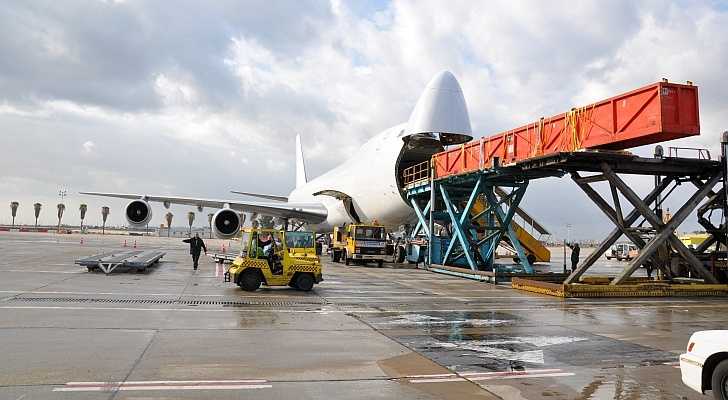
x: 276, y: 258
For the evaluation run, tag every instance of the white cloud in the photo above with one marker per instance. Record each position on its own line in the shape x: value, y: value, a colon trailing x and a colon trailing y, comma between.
x: 88, y: 147
x: 219, y: 94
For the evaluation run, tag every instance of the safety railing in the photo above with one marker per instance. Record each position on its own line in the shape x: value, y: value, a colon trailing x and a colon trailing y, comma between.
x: 703, y: 154
x: 416, y: 174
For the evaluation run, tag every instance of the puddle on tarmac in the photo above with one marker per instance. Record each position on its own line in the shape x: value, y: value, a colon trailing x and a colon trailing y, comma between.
x: 439, y: 320
x: 619, y: 387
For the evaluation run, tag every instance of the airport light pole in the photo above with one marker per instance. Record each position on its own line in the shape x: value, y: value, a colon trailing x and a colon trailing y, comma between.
x: 82, y: 209
x: 14, y: 210
x: 61, y: 209
x: 168, y: 217
x: 36, y: 208
x: 104, y: 215
x: 190, y: 220
x: 62, y: 193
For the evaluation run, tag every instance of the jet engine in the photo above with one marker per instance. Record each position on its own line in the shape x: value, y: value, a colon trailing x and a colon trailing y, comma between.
x: 138, y: 213
x: 226, y: 223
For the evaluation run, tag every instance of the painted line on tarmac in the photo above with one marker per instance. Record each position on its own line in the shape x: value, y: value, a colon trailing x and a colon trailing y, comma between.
x: 483, y: 376
x: 163, y: 385
x: 26, y: 271
x: 332, y: 310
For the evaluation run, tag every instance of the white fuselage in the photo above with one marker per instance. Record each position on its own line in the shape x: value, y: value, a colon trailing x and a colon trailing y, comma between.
x: 369, y: 177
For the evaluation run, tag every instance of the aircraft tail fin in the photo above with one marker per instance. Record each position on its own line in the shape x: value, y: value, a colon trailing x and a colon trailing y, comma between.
x: 301, y: 177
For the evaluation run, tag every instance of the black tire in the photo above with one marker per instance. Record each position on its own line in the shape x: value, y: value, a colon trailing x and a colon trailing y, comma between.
x: 609, y: 258
x: 719, y: 381
x: 531, y: 258
x: 336, y: 255
x: 399, y: 255
x: 380, y: 263
x: 304, y: 282
x: 346, y: 258
x: 250, y: 280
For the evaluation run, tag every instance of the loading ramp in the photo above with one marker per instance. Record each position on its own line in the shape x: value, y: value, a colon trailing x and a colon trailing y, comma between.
x: 456, y: 192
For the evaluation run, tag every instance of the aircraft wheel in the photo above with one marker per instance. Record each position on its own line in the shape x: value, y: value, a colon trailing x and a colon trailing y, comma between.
x: 304, y: 282
x: 250, y: 280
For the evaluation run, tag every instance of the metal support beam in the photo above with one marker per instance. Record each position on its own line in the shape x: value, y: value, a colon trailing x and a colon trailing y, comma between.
x: 422, y: 223
x: 460, y: 222
x: 630, y: 219
x: 513, y: 199
x: 621, y: 224
x: 617, y: 206
x: 665, y: 232
x: 431, y: 221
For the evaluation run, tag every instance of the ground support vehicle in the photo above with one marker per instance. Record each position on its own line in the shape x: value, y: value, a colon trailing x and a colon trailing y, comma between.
x: 359, y: 243
x: 705, y: 364
x: 276, y: 258
x: 622, y: 251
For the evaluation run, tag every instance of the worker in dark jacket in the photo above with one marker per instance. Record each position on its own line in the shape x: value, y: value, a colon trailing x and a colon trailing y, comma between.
x: 575, y: 250
x: 196, y: 245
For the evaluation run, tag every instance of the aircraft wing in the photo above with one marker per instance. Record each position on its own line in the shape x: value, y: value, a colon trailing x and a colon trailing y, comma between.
x: 309, y: 212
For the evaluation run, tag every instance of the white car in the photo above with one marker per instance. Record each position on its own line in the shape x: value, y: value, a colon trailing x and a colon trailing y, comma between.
x: 705, y: 365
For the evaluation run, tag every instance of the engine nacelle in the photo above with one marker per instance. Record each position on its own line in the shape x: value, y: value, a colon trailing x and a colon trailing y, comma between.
x: 138, y: 213
x: 226, y: 223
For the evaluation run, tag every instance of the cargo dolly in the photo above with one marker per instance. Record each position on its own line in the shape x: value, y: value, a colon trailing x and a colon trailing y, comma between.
x: 109, y: 261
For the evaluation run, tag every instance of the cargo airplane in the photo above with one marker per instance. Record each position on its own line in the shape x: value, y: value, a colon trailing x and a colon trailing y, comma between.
x: 363, y: 188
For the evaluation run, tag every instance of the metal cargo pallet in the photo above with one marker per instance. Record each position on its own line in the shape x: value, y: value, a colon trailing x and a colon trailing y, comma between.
x: 109, y: 261
x: 224, y: 258
x: 630, y: 289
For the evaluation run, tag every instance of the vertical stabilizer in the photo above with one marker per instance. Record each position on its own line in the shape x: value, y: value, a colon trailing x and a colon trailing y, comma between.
x: 301, y: 178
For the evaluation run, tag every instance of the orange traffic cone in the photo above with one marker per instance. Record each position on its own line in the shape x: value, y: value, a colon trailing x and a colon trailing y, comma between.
x: 135, y: 244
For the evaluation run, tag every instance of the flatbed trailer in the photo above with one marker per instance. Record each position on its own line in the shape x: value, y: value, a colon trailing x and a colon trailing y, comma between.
x: 139, y: 260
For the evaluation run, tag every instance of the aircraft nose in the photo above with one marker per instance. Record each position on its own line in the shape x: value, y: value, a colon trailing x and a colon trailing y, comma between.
x: 441, y: 109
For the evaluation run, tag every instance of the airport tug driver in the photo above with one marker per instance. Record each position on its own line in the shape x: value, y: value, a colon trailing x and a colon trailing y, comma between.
x: 196, y: 245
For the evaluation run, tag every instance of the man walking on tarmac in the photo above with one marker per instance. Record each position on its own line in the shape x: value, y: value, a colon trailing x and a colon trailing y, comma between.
x: 575, y: 250
x: 196, y: 245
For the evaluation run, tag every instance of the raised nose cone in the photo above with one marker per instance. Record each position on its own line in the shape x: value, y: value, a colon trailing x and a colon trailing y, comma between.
x: 441, y: 109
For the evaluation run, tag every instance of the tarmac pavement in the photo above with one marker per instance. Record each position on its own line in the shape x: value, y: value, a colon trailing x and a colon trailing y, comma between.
x: 365, y: 332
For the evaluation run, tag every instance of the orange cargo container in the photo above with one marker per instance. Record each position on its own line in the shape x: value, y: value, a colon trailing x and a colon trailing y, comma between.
x: 652, y: 114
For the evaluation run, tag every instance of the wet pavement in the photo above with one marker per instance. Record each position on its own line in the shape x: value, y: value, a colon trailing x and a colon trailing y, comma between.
x: 365, y: 332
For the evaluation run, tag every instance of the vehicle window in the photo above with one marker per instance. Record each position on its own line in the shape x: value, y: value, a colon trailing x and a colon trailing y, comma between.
x: 370, y: 233
x: 299, y: 240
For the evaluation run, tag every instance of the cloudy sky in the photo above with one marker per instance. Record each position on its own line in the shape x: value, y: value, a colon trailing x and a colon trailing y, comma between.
x: 197, y: 98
